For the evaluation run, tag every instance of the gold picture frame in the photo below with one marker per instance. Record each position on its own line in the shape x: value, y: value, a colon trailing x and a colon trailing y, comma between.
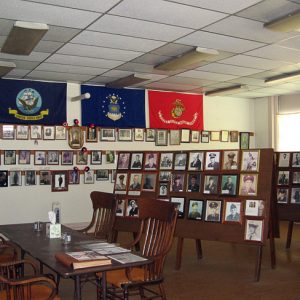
x: 75, y: 134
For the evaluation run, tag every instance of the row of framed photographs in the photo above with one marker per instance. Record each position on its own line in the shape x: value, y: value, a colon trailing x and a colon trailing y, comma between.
x: 192, y: 161
x: 210, y: 211
x: 288, y: 159
x: 287, y: 195
x: 167, y: 181
x: 284, y: 178
x: 45, y: 177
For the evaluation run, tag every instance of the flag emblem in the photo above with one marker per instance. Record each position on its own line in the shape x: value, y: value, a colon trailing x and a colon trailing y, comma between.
x: 29, y: 101
x: 114, y: 107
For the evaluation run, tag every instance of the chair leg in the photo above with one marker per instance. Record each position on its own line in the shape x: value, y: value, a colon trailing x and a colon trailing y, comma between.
x: 126, y: 294
x: 142, y: 294
x: 162, y: 291
x: 99, y: 291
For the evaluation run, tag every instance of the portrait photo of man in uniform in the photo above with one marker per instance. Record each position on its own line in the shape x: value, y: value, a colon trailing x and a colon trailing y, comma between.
x: 230, y: 160
x: 228, y: 184
x: 195, y: 209
x: 212, y: 161
x: 253, y: 230
x: 233, y: 211
x: 213, y: 211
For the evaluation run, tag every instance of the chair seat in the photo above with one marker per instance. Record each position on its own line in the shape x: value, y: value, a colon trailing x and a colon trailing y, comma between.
x: 119, y: 277
x: 38, y: 292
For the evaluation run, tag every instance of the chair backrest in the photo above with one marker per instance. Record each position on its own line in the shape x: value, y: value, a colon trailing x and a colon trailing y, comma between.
x: 104, y: 212
x: 158, y: 221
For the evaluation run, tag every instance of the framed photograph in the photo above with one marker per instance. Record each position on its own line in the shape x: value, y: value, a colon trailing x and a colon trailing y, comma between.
x: 161, y: 137
x: 164, y: 176
x: 132, y: 209
x: 120, y: 210
x: 195, y: 161
x: 150, y: 135
x: 36, y: 132
x: 284, y: 159
x: 75, y: 137
x: 180, y: 201
x: 74, y: 176
x: 22, y: 132
x: 110, y: 157
x: 195, y: 209
x: 3, y: 178
x: 96, y: 157
x: 151, y: 160
x: 49, y: 133
x: 60, y: 132
x: 45, y: 177
x: 195, y: 136
x: 89, y: 177
x: 30, y: 177
x: 215, y: 136
x: 255, y: 208
x: 283, y: 177
x: 204, y: 136
x: 135, y: 184
x: 136, y: 161
x: 250, y: 160
x: 193, y: 182
x: 232, y: 211
x: 149, y: 182
x: 125, y: 134
x: 177, y: 182
x: 244, y: 140
x: 254, y: 230
x: 60, y: 181
x: 107, y: 134
x: 15, y: 178
x: 9, y: 157
x: 175, y: 137
x: 296, y: 177
x: 123, y: 161
x: 163, y: 189
x: 8, y: 132
x: 230, y: 160
x: 229, y: 184
x: 248, y: 184
x: 67, y: 157
x: 211, y: 184
x: 166, y: 161
x: 40, y: 157
x: 102, y: 174
x: 185, y: 136
x: 121, y: 183
x: 139, y: 134
x: 213, y: 210
x: 91, y: 134
x: 180, y: 161
x: 224, y: 136
x: 234, y: 136
x: 296, y: 160
x: 212, y: 160
x: 282, y: 195
x: 81, y: 157
x: 295, y: 195
x: 24, y: 157
x: 52, y: 157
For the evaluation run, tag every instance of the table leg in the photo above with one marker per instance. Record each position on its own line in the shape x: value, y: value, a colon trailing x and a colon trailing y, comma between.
x: 198, y: 248
x: 258, y: 262
x: 289, y: 235
x: 103, y: 282
x: 179, y: 253
x: 77, y: 288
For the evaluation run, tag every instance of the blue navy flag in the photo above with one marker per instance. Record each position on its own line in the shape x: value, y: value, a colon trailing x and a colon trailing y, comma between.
x: 32, y: 102
x: 122, y: 108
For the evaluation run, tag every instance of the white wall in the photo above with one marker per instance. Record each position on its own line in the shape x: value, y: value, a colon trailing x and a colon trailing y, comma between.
x: 28, y: 204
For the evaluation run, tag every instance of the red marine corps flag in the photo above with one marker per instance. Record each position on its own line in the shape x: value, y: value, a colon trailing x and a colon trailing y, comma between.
x: 172, y: 110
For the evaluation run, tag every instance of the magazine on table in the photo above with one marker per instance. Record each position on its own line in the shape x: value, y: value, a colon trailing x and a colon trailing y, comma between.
x: 126, y: 258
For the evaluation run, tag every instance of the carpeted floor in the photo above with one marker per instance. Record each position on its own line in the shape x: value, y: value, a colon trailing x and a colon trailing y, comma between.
x: 225, y: 272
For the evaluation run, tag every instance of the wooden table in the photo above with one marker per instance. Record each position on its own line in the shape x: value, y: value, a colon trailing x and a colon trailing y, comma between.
x: 43, y: 249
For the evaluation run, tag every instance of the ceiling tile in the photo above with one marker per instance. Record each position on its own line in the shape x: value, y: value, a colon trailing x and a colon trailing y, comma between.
x: 116, y: 41
x: 47, y: 46
x: 169, y: 86
x: 249, y: 81
x: 5, y: 26
x: 172, y: 49
x: 49, y: 14
x: 17, y: 73
x: 293, y: 43
x: 117, y: 73
x: 151, y: 59
x: 187, y: 81
x: 139, y: 28
x: 54, y: 76
x: 25, y: 65
x: 33, y: 56
x: 219, y: 42
x: 207, y: 75
x: 60, y: 34
x: 167, y: 13
x: 101, y: 80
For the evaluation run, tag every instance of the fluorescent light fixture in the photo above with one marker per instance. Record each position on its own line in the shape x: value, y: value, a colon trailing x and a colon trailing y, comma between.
x: 187, y: 59
x: 227, y: 90
x: 6, y: 67
x: 283, y: 78
x: 81, y: 97
x: 288, y: 23
x: 23, y: 37
x: 127, y: 81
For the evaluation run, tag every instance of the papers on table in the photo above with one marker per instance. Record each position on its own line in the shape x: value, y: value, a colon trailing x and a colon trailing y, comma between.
x: 126, y: 258
x: 106, y: 248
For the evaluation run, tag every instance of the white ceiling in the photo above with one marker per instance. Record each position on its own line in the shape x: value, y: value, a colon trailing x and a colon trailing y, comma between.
x: 96, y: 42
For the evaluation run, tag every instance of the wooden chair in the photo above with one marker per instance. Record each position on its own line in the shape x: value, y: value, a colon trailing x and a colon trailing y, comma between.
x: 15, y: 286
x: 104, y: 212
x: 158, y: 221
x: 8, y: 251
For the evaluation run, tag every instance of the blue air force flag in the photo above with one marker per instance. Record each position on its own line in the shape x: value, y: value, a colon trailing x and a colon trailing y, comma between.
x: 32, y: 102
x: 122, y: 108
